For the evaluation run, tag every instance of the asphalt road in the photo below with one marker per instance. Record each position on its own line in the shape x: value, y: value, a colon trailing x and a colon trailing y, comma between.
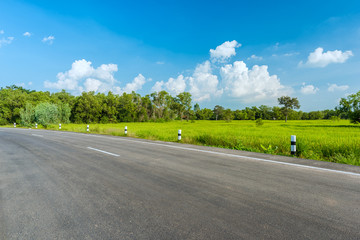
x: 59, y: 185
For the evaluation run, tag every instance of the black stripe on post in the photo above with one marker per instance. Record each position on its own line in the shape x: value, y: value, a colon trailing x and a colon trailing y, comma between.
x: 293, y: 144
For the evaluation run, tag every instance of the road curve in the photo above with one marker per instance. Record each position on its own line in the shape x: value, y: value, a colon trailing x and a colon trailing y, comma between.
x: 62, y: 185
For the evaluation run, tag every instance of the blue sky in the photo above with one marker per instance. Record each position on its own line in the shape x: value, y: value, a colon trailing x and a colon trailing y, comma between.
x: 230, y: 53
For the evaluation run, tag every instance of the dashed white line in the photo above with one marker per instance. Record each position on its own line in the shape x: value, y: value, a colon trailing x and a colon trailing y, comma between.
x: 98, y: 150
x: 36, y: 135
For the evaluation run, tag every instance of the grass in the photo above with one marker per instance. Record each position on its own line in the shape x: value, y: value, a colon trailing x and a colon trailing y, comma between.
x: 319, y: 140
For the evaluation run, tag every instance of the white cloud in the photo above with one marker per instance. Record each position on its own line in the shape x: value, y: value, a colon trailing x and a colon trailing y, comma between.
x: 319, y: 58
x: 203, y: 84
x: 251, y: 85
x: 158, y: 87
x: 160, y: 62
x: 334, y: 87
x: 308, y: 89
x: 2, y: 32
x: 50, y: 39
x: 6, y: 41
x: 136, y: 84
x: 174, y: 85
x: 83, y: 76
x: 27, y: 34
x: 92, y: 84
x: 224, y: 51
x: 254, y: 57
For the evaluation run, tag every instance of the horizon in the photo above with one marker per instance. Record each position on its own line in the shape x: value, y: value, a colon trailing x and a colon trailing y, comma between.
x: 225, y: 53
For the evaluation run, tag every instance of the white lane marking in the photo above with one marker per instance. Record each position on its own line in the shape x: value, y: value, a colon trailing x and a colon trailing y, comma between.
x: 226, y: 154
x: 112, y: 154
x: 36, y: 135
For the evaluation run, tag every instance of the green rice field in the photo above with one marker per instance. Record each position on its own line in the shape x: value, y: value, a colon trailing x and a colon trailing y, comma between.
x: 324, y: 140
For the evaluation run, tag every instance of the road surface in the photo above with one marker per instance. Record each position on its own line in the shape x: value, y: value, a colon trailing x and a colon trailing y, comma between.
x: 62, y: 185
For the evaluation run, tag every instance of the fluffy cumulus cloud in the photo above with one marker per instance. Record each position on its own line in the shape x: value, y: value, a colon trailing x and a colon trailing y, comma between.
x: 84, y: 77
x: 236, y: 80
x: 158, y: 86
x: 27, y: 34
x: 334, y: 87
x: 174, y: 85
x: 6, y: 41
x: 203, y: 84
x: 224, y: 51
x: 136, y: 84
x: 308, y: 89
x: 251, y: 85
x: 319, y: 58
x: 49, y: 40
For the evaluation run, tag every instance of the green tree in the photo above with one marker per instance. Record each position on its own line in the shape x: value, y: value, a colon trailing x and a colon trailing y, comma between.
x: 184, y: 105
x: 27, y: 114
x: 277, y: 114
x: 46, y: 114
x: 204, y: 114
x: 250, y: 113
x: 87, y: 108
x: 218, y: 111
x: 228, y: 115
x: 265, y: 112
x: 64, y: 112
x: 351, y: 106
x: 63, y: 97
x: 126, y: 108
x: 288, y: 104
x: 12, y: 100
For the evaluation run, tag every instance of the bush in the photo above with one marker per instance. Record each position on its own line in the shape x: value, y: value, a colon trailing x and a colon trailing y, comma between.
x: 259, y: 122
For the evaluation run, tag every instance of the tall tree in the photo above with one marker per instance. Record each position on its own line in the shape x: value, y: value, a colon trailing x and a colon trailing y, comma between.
x: 184, y: 107
x: 288, y: 104
x: 218, y: 111
x: 351, y: 105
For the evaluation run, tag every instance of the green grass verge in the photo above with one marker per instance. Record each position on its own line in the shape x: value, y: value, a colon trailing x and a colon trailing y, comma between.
x: 319, y: 140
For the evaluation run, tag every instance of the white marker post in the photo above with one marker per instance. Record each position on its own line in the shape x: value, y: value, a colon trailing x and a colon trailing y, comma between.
x: 293, y: 144
x: 179, y: 135
x: 35, y: 125
x: 125, y: 131
x: 87, y: 128
x: 14, y: 125
x: 60, y: 126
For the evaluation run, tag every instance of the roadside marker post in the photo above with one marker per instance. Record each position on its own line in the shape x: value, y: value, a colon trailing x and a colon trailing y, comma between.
x: 179, y: 135
x: 35, y: 125
x: 59, y: 125
x: 87, y: 128
x: 293, y: 144
x: 125, y: 131
x: 14, y: 125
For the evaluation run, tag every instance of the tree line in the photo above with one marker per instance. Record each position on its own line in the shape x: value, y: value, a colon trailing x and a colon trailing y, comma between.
x: 23, y: 106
